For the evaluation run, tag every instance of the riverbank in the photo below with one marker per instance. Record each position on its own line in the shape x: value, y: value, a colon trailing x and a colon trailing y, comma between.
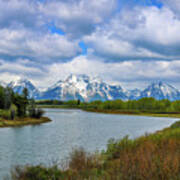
x: 23, y: 122
x: 121, y: 112
x: 153, y: 156
x: 58, y: 107
x: 172, y: 115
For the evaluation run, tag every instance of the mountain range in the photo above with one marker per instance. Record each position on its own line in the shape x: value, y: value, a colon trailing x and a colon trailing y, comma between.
x: 88, y: 88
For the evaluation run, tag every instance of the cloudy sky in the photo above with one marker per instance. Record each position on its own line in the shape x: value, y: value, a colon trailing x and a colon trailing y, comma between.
x: 131, y: 42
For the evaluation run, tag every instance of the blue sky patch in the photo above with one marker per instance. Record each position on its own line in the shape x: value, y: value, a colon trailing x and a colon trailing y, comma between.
x: 54, y: 30
x: 83, y: 47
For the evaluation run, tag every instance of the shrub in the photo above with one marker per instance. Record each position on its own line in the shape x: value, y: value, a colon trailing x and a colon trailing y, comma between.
x: 13, y: 111
x: 35, y: 173
x: 36, y: 112
x: 5, y: 114
x: 176, y: 125
x: 80, y: 160
x: 39, y: 113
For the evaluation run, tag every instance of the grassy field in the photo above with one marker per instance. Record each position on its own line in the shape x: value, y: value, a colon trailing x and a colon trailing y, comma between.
x: 22, y: 122
x: 154, y: 156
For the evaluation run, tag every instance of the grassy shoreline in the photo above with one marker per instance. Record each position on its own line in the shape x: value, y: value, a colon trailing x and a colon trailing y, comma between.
x: 121, y: 112
x: 58, y: 107
x: 23, y: 122
x: 153, y: 156
x: 171, y: 115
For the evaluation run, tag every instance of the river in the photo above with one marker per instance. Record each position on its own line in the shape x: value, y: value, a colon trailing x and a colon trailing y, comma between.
x: 52, y: 142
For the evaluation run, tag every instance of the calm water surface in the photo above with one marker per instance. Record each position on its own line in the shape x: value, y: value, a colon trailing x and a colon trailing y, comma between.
x: 53, y: 141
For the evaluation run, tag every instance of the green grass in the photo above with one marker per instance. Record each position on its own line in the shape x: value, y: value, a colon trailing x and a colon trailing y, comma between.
x: 153, y: 114
x: 22, y: 122
x: 5, y: 120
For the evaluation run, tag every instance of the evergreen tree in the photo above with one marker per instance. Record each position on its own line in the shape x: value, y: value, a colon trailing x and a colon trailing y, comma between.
x: 25, y: 96
x: 2, y: 97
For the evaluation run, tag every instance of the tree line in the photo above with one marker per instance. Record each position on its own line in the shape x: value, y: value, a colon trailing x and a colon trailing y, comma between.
x: 17, y: 105
x: 141, y: 105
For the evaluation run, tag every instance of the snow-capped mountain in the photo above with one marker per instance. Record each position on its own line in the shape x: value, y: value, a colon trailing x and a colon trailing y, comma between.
x: 20, y: 84
x: 88, y: 88
x: 84, y: 88
x: 160, y: 91
x: 134, y: 94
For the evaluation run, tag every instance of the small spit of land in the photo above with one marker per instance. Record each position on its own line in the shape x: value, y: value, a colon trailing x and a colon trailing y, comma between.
x: 23, y: 121
x: 19, y: 109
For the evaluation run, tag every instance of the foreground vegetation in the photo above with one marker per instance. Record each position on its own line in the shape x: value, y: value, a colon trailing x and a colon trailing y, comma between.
x: 154, y: 156
x: 18, y: 110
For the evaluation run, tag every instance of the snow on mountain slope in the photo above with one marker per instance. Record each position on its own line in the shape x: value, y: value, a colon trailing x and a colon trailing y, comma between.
x: 20, y: 84
x: 84, y: 88
x: 88, y: 88
x: 134, y: 94
x: 160, y: 91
